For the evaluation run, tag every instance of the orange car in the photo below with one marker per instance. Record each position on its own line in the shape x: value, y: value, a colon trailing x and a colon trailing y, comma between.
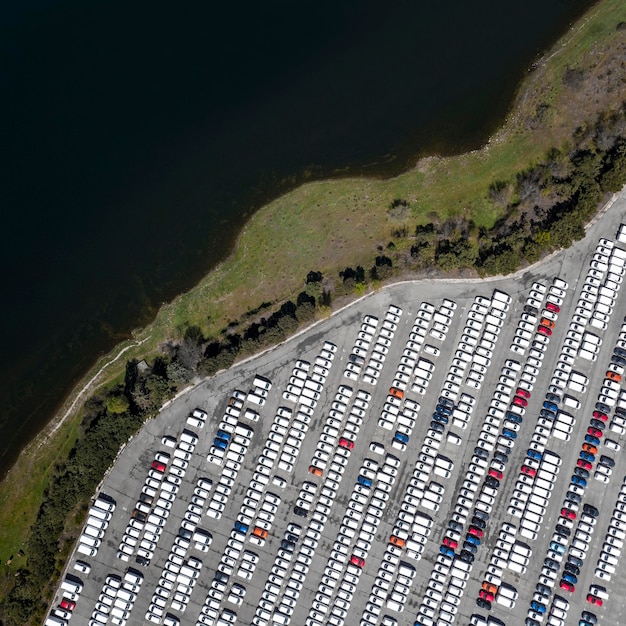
x: 546, y: 322
x: 587, y: 447
x: 490, y: 588
x: 397, y: 541
x: 613, y: 376
x: 396, y: 393
x: 260, y: 532
x: 316, y: 471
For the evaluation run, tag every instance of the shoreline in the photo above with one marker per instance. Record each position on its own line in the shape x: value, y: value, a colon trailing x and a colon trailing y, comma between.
x: 498, y: 135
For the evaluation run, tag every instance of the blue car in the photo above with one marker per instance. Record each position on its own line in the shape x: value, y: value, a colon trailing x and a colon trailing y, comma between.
x: 534, y: 454
x: 222, y: 434
x: 570, y: 578
x: 592, y: 440
x: 240, y: 527
x: 538, y: 607
x: 557, y: 547
x: 401, y: 437
x: 509, y: 434
x: 440, y: 418
x: 446, y: 551
x: 516, y: 419
x: 587, y: 456
x: 220, y: 443
x: 443, y: 409
x: 473, y: 540
x: 550, y: 406
x: 579, y: 480
x: 365, y: 482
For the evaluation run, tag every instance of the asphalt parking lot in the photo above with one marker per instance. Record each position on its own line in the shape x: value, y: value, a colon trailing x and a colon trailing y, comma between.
x: 296, y: 427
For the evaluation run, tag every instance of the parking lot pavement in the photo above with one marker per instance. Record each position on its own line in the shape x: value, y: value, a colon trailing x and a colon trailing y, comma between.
x: 416, y: 368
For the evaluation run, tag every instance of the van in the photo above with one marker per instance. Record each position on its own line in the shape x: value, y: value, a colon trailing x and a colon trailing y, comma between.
x: 571, y: 402
x: 105, y: 505
x: 533, y: 517
x: 71, y: 584
x: 97, y: 512
x: 481, y: 360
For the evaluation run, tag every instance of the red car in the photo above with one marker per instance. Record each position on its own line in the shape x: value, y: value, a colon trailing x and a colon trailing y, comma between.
x: 520, y: 401
x: 544, y: 330
x: 522, y: 392
x: 594, y: 599
x: 594, y: 432
x: 531, y: 471
x: 346, y: 443
x: 67, y: 604
x: 600, y: 416
x: 496, y: 474
x: 555, y: 308
x: 567, y: 586
x: 567, y: 513
x: 158, y: 466
x: 450, y: 543
x: 584, y: 464
x: 485, y: 595
x: 357, y: 560
x: 477, y: 532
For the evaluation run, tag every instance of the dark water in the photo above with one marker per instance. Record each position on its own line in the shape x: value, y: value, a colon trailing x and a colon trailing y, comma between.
x: 136, y: 137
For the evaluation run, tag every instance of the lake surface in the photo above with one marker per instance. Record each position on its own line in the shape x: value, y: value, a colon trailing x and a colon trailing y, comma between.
x: 137, y: 137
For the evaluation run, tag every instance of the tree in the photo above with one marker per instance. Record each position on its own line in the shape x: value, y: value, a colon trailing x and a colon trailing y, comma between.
x: 117, y: 404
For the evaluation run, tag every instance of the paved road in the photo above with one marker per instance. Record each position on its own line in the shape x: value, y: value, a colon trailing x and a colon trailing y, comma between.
x: 125, y: 480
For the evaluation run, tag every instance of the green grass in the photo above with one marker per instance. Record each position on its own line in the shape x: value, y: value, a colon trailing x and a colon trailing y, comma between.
x: 326, y: 226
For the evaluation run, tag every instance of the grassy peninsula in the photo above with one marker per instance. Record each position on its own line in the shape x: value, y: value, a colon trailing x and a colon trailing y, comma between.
x: 560, y: 152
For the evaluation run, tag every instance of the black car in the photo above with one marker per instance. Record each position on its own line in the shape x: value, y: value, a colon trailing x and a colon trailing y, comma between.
x: 574, y: 497
x: 544, y: 590
x: 574, y: 569
x: 589, y: 509
x: 589, y: 616
x: 302, y: 512
x: 607, y: 460
x: 574, y: 560
x: 599, y: 424
x: 620, y: 411
x: 492, y: 482
x: 603, y: 408
x: 547, y: 414
x: 287, y: 545
x: 581, y: 471
x: 142, y: 560
x: 501, y: 456
x: 531, y: 310
x: 468, y: 546
x: 618, y: 360
x: 551, y: 563
x: 481, y: 452
x: 466, y: 556
x: 291, y: 537
x: 531, y: 622
x: 564, y: 531
x: 553, y: 397
x: 456, y: 526
x: 483, y: 604
x: 620, y: 352
x: 479, y: 523
x: 481, y: 514
x: 437, y: 426
x: 446, y: 402
x: 221, y: 577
